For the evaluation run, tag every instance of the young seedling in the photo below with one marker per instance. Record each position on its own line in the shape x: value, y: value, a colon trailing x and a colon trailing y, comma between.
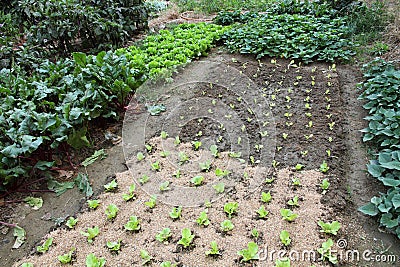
x: 269, y: 180
x: 183, y: 158
x: 324, y: 167
x: 288, y: 215
x: 155, y: 166
x: 111, y: 211
x: 164, y: 135
x: 227, y: 226
x: 66, y: 258
x: 325, y: 185
x: 152, y: 202
x: 71, y: 222
x: 164, y: 235
x: 331, y: 124
x: 144, y: 179
x: 220, y: 187
x: 114, y: 246
x: 294, y: 202
x: 239, y: 140
x: 93, y: 203
x: 214, y: 151
x: 308, y: 137
x: 45, y: 247
x: 309, y: 125
x: 285, y: 262
x: 262, y: 212
x: 111, y: 186
x: 133, y: 224
x: 200, y: 133
x: 196, y: 145
x: 221, y: 173
x: 167, y: 264
x: 235, y: 154
x: 326, y: 252
x: 177, y: 141
x: 251, y: 253
x: 146, y: 258
x: 177, y: 173
x: 285, y: 136
x: 296, y: 181
x: 214, y: 249
x: 140, y: 156
x: 187, y: 238
x: 298, y: 167
x: 275, y: 163
x: 266, y: 197
x: 164, y: 154
x: 93, y: 261
x: 330, y: 228
x: 328, y: 152
x: 205, y: 166
x: 203, y: 219
x: 197, y: 180
x: 285, y: 238
x: 149, y: 148
x: 91, y: 233
x: 176, y: 213
x: 164, y: 186
x: 230, y: 208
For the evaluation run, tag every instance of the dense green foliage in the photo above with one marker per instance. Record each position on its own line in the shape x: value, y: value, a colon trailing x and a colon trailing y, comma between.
x: 303, y: 37
x: 382, y: 96
x: 212, y: 6
x: 53, y: 105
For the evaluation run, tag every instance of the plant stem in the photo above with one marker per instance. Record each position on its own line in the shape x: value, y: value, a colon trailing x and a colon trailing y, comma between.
x: 8, y: 224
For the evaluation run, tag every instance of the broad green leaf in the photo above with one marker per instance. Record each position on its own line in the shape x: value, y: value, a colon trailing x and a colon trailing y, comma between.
x: 59, y: 188
x: 83, y: 183
x: 80, y: 59
x: 369, y: 209
x: 35, y: 202
x: 96, y: 155
x: 19, y: 233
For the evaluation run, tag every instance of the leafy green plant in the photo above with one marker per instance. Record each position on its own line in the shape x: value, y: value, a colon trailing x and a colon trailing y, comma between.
x: 299, y: 167
x: 324, y: 167
x: 93, y: 203
x: 133, y: 224
x: 164, y: 235
x: 46, y: 245
x: 262, y: 212
x: 203, y: 219
x: 255, y: 233
x: 187, y: 238
x: 251, y: 253
x: 176, y: 213
x: 230, y: 208
x: 146, y: 258
x: 227, y: 225
x: 221, y: 173
x: 177, y: 173
x: 330, y: 228
x: 196, y: 145
x: 91, y: 233
x: 152, y: 202
x: 140, y: 156
x: 155, y: 166
x: 325, y: 185
x: 167, y: 264
x: 111, y: 186
x: 164, y: 186
x: 71, y: 222
x: 93, y: 261
x: 114, y: 245
x: 164, y: 154
x: 197, y: 180
x: 111, y: 211
x: 144, y: 179
x: 214, y: 151
x: 220, y: 187
x: 288, y: 215
x: 266, y: 197
x: 66, y: 258
x: 326, y: 252
x: 131, y: 193
x: 294, y: 201
x: 183, y: 158
x: 285, y: 262
x: 285, y: 238
x: 164, y: 135
x: 296, y: 181
x: 205, y: 166
x: 214, y: 251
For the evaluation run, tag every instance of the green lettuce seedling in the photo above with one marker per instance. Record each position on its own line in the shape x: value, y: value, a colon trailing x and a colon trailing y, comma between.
x: 176, y: 213
x: 251, y: 253
x: 164, y: 135
x: 326, y: 252
x: 66, y: 258
x: 91, y: 233
x: 294, y: 201
x: 140, y: 156
x: 152, y: 202
x: 285, y: 262
x: 214, y: 151
x: 266, y: 197
x: 227, y: 225
x: 164, y: 186
x: 177, y: 141
x: 111, y: 186
x: 203, y: 219
x: 167, y: 264
x: 285, y: 238
x: 230, y: 208
x: 205, y: 166
x: 220, y: 187
x: 164, y: 235
x: 324, y: 167
x: 197, y: 180
x: 71, y: 222
x: 235, y: 154
x: 93, y: 204
x: 296, y: 181
x: 183, y: 158
x: 149, y: 148
x: 187, y: 237
x: 177, y: 173
x: 262, y: 212
x: 144, y: 179
x: 45, y: 247
x: 164, y: 154
x: 255, y: 233
x: 133, y: 224
x: 325, y: 185
x: 221, y: 173
x: 114, y: 245
x: 330, y: 228
x: 93, y: 261
x: 156, y: 166
x: 299, y: 167
x: 214, y: 249
x: 288, y: 215
x: 196, y: 145
x: 131, y: 193
x: 145, y: 257
x: 111, y: 211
